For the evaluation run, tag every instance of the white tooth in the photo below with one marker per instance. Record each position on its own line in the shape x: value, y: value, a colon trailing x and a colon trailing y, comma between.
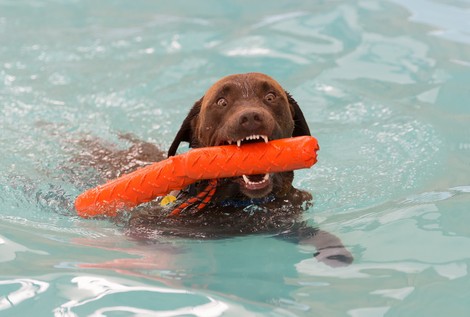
x: 265, y: 138
x: 266, y: 177
x: 245, y: 178
x: 229, y: 142
x: 256, y: 137
x: 239, y: 143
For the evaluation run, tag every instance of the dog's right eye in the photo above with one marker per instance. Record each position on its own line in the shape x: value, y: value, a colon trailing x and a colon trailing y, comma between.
x: 222, y: 102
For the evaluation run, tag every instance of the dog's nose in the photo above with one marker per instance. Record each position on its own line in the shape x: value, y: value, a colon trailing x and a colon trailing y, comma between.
x: 251, y: 120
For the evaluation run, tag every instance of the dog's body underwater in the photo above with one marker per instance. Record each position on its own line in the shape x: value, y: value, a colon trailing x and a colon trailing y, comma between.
x: 237, y: 109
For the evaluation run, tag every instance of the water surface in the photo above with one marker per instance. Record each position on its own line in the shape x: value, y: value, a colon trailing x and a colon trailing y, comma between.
x: 383, y: 85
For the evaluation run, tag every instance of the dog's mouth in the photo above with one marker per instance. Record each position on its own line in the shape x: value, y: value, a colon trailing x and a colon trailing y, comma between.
x: 255, y: 138
x: 256, y: 182
x: 258, y: 185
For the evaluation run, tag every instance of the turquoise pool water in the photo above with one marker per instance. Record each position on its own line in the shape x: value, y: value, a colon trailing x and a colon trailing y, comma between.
x: 383, y: 85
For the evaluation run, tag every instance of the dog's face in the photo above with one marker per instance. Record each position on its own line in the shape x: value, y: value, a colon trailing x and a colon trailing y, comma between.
x: 240, y: 109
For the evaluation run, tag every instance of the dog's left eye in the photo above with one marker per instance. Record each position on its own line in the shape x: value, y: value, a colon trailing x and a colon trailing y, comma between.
x: 222, y: 102
x: 270, y: 97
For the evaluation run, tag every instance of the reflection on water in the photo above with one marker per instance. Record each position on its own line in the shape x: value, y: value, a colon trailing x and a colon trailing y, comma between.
x: 95, y: 290
x: 92, y: 294
x: 450, y: 20
x: 10, y: 249
x: 27, y: 289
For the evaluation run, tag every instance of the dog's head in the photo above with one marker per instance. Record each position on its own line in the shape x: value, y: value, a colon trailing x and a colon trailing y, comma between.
x: 240, y: 109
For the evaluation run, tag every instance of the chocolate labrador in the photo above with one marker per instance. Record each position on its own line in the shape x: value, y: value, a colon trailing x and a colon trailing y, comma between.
x: 237, y: 109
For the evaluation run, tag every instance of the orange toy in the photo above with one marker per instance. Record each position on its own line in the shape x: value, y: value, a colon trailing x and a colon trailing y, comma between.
x: 179, y: 171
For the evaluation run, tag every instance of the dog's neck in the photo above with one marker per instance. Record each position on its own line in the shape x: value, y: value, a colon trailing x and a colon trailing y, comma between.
x: 228, y: 193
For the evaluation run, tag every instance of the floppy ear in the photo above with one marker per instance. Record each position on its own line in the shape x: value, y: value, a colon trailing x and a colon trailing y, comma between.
x: 300, y: 124
x: 185, y: 133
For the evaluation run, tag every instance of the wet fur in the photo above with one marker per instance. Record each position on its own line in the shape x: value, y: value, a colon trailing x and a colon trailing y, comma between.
x: 206, y: 125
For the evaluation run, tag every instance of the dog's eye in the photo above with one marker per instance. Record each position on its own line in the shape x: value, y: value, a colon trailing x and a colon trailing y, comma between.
x: 222, y: 102
x: 270, y: 97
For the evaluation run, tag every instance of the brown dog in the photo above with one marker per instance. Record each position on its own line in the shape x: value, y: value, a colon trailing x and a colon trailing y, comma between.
x: 237, y: 109
x: 243, y: 109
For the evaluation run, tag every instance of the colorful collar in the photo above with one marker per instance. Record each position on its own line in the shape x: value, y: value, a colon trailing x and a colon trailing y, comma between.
x: 237, y: 203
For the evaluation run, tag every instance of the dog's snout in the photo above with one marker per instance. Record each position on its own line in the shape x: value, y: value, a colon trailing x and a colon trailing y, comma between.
x: 251, y: 120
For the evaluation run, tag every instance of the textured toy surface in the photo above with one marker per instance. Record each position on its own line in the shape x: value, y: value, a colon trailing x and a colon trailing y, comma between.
x: 179, y: 171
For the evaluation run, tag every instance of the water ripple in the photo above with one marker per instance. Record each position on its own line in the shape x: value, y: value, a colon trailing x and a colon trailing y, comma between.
x: 96, y: 296
x: 10, y: 249
x: 28, y: 289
